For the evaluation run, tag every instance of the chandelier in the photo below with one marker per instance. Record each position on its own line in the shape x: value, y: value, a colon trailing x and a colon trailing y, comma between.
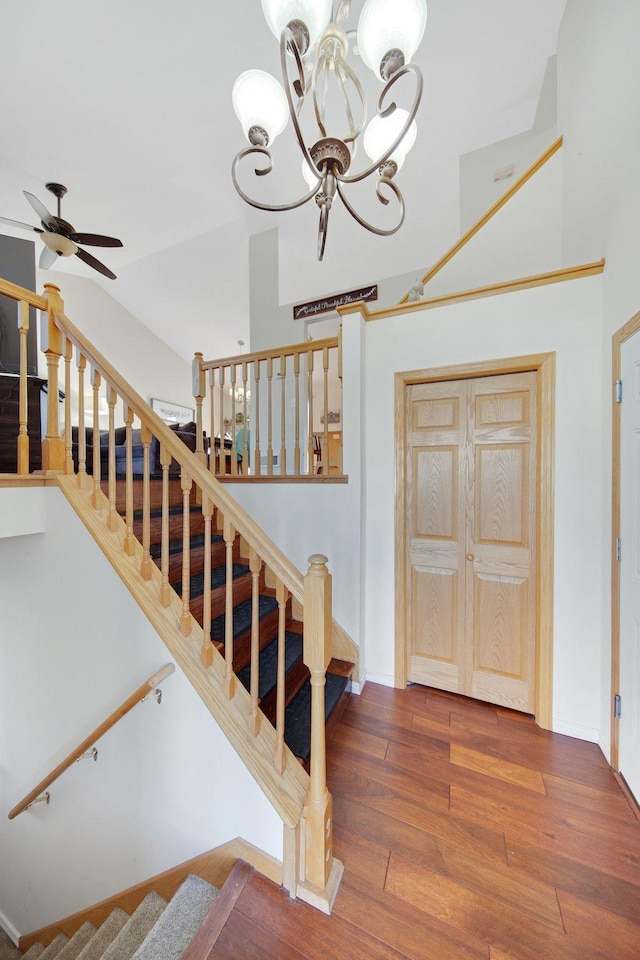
x: 315, y: 47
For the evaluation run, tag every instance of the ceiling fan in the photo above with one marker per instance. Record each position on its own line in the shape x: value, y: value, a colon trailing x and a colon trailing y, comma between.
x: 60, y: 238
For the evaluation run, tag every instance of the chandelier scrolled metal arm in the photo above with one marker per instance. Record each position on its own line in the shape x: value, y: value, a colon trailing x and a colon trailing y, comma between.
x: 327, y: 161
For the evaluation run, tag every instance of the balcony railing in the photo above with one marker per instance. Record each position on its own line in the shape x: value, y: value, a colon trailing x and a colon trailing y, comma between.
x: 275, y: 413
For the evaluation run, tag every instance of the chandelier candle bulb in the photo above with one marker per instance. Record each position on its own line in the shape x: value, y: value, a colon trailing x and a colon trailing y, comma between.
x: 389, y: 33
x: 381, y: 133
x: 315, y: 61
x: 313, y: 14
x: 260, y: 105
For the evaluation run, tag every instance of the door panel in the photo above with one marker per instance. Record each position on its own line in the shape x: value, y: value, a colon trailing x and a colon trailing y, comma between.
x: 435, y: 470
x: 500, y: 608
x: 629, y: 745
x: 471, y: 480
x: 502, y: 493
x: 436, y: 520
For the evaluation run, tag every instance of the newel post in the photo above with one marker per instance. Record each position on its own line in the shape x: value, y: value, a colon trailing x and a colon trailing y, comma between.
x: 317, y: 654
x: 51, y: 342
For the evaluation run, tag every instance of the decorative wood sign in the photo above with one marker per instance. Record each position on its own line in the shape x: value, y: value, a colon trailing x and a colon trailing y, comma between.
x: 303, y: 311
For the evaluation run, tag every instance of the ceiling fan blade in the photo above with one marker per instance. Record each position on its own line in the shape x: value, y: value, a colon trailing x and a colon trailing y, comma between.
x: 95, y: 240
x: 92, y: 262
x: 47, y: 258
x: 18, y: 223
x: 39, y: 208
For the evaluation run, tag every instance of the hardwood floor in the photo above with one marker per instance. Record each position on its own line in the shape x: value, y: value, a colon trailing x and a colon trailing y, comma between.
x: 466, y: 832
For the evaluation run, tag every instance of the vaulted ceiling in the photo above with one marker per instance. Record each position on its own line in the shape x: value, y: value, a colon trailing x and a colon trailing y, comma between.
x: 129, y: 105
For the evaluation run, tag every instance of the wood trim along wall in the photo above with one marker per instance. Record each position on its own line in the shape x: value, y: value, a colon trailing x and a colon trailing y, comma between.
x: 619, y: 337
x: 544, y: 365
x: 213, y: 866
x: 491, y: 212
x: 507, y: 286
x: 32, y: 480
x: 286, y: 478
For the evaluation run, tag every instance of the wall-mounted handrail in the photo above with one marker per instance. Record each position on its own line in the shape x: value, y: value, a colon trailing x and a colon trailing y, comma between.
x: 487, y: 216
x: 136, y: 697
x: 96, y: 471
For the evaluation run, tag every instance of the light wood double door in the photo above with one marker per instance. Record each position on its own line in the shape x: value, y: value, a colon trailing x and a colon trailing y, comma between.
x: 471, y: 514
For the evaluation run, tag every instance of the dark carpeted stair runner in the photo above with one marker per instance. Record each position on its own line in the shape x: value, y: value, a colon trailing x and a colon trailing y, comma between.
x: 175, y: 546
x: 242, y: 616
x: 218, y: 579
x: 297, y: 683
x: 297, y: 718
x: 269, y: 663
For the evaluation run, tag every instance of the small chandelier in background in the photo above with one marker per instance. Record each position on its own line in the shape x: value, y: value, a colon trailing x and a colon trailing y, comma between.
x: 388, y: 34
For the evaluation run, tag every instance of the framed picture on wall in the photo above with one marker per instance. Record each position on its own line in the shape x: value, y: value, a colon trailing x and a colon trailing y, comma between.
x: 173, y: 412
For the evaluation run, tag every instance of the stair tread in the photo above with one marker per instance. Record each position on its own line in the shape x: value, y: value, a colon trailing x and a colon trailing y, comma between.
x: 54, y: 948
x: 77, y: 943
x: 242, y: 616
x: 179, y: 922
x: 268, y: 668
x: 218, y: 579
x: 136, y: 928
x: 175, y: 546
x: 297, y: 723
x: 104, y: 936
x: 34, y: 951
x: 173, y: 511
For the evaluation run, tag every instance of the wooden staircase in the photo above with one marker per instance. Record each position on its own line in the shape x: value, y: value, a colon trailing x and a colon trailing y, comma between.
x: 296, y: 675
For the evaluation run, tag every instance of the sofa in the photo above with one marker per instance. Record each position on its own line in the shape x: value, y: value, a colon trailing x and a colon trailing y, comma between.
x: 186, y: 432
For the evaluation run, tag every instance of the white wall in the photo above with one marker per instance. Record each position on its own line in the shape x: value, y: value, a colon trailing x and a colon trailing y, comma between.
x: 24, y: 511
x: 565, y: 319
x: 478, y: 189
x: 145, y: 361
x: 167, y: 784
x: 324, y: 518
x: 522, y: 239
x: 599, y: 106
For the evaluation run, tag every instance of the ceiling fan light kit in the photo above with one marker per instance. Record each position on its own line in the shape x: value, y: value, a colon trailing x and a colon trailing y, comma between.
x: 63, y: 246
x: 318, y: 46
x: 60, y: 238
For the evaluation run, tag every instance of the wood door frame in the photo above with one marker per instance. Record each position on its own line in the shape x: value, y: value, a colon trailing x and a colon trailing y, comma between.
x: 620, y: 336
x: 544, y: 365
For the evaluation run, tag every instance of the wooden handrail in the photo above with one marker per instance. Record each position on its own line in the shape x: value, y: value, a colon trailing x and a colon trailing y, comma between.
x: 240, y: 519
x: 89, y: 741
x: 12, y: 290
x: 491, y: 212
x: 94, y: 493
x: 281, y: 398
x: 275, y: 354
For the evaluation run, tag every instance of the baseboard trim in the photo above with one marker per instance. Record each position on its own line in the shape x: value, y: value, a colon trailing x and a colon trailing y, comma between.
x: 384, y: 679
x: 575, y: 730
x: 628, y: 795
x: 214, y: 866
x: 9, y: 929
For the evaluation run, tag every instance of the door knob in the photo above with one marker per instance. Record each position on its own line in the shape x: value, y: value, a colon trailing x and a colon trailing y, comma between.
x: 469, y: 556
